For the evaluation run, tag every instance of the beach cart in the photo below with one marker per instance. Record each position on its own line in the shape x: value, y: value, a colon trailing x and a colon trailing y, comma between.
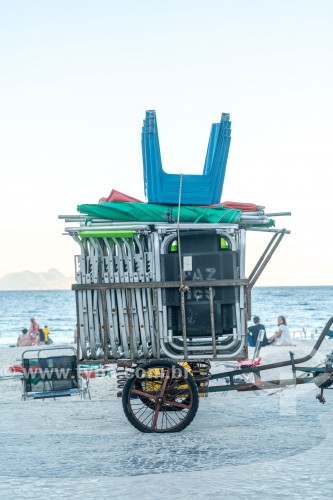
x: 161, y: 288
x: 164, y: 300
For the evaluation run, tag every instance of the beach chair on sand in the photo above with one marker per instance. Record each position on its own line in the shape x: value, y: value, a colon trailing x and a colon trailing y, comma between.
x: 52, y: 373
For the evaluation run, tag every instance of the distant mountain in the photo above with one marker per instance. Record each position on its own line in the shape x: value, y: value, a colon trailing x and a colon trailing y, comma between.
x: 27, y: 280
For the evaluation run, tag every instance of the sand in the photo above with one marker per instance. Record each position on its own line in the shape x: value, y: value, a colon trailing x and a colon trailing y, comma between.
x: 252, y: 445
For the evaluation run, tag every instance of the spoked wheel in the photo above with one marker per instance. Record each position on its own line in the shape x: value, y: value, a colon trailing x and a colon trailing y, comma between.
x: 161, y: 396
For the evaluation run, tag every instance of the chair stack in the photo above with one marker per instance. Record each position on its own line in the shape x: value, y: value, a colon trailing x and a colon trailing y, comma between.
x: 205, y: 189
x: 124, y: 308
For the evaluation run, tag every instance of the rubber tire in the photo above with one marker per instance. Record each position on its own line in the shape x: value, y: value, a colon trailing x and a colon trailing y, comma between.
x: 195, y: 396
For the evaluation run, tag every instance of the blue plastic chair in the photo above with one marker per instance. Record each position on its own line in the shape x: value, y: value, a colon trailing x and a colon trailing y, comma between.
x: 205, y: 189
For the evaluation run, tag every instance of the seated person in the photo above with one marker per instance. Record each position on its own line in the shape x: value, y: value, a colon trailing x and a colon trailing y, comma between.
x: 253, y: 332
x: 41, y: 337
x: 23, y: 339
x: 282, y: 335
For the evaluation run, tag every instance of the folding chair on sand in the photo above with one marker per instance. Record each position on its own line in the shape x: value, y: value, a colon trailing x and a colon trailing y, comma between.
x: 52, y: 373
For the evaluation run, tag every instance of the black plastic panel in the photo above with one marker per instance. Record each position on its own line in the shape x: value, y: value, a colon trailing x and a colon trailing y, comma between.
x: 208, y: 266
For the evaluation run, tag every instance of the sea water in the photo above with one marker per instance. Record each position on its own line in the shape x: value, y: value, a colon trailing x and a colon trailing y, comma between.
x: 306, y: 308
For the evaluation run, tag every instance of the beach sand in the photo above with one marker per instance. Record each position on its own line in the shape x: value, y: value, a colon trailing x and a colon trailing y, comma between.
x: 249, y: 445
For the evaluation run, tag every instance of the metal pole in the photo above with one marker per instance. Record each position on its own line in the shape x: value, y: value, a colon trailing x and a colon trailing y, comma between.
x: 130, y: 322
x: 212, y: 320
x: 182, y: 299
x: 104, y: 326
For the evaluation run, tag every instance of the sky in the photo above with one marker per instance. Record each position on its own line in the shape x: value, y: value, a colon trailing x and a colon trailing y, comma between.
x: 76, y: 78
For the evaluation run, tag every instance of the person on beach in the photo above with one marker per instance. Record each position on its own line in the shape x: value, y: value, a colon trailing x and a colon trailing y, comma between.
x: 34, y: 331
x: 282, y: 335
x: 41, y: 336
x: 23, y: 339
x: 47, y: 338
x: 253, y: 332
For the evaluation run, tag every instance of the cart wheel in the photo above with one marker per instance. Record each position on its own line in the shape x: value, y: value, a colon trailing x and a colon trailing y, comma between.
x: 161, y: 396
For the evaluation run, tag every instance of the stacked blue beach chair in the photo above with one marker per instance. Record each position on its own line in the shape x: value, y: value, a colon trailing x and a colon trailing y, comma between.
x: 205, y: 189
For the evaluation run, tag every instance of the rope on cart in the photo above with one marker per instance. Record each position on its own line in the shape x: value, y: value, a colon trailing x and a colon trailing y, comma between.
x: 182, y: 288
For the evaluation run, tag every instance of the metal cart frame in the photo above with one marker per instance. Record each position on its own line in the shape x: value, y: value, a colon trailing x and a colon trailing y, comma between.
x: 122, y: 317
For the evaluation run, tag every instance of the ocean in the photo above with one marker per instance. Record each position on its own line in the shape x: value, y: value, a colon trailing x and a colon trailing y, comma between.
x: 306, y: 308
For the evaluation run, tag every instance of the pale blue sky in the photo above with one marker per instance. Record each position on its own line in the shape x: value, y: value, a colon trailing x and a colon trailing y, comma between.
x: 76, y: 78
